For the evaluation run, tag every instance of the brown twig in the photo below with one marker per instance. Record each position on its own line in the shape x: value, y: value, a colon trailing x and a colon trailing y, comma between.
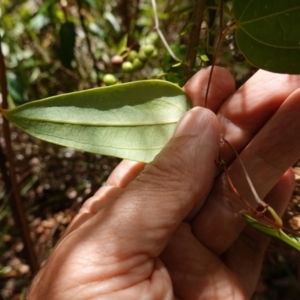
x: 199, y: 7
x: 15, y: 201
x: 223, y: 34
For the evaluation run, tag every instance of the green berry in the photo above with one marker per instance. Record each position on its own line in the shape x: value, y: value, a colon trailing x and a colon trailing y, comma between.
x: 142, y: 55
x: 147, y: 49
x: 127, y: 66
x: 109, y: 79
x: 154, y: 54
x: 132, y: 55
x: 137, y: 64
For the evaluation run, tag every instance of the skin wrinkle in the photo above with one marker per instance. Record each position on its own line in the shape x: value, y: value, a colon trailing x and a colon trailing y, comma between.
x: 137, y: 273
x: 110, y: 265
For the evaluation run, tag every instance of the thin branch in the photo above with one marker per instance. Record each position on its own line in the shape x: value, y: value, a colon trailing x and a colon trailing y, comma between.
x: 157, y: 28
x: 15, y: 199
x: 194, y: 37
x: 223, y: 34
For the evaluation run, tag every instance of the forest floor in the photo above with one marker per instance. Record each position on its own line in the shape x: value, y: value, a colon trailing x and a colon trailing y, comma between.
x: 55, y: 181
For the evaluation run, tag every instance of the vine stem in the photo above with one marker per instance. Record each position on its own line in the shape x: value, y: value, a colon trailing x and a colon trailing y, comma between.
x: 223, y: 34
x: 15, y: 201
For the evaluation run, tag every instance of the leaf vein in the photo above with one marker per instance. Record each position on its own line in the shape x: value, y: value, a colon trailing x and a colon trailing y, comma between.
x: 269, y: 16
x: 270, y: 45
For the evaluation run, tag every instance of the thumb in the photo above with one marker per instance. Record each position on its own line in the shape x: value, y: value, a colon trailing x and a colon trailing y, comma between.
x: 153, y: 205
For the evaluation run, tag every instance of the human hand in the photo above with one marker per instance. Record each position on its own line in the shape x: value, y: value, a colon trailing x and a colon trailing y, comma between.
x: 153, y: 233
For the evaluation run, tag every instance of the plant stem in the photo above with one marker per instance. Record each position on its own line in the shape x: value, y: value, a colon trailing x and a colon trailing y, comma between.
x: 15, y: 201
x: 223, y: 34
x: 191, y: 55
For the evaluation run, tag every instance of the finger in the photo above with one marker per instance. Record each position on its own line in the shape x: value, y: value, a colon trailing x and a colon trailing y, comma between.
x: 274, y: 149
x: 221, y: 87
x: 124, y: 173
x: 94, y: 204
x: 196, y: 272
x: 247, y: 251
x: 243, y: 114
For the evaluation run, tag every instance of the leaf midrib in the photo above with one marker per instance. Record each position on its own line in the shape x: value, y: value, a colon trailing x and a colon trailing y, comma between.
x: 99, y: 124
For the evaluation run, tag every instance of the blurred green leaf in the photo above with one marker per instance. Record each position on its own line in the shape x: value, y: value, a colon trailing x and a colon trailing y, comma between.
x: 39, y: 21
x: 123, y: 44
x: 267, y: 34
x: 113, y: 21
x: 97, y: 30
x: 92, y: 3
x: 132, y: 120
x: 15, y: 87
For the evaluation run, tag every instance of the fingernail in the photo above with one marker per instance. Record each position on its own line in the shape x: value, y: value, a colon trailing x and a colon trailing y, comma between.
x: 190, y: 122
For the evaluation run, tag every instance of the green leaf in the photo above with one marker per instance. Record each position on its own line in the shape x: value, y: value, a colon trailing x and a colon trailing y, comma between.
x: 39, y: 21
x: 132, y: 120
x: 267, y: 33
x: 122, y: 44
x: 113, y: 21
x: 96, y: 30
x: 276, y: 233
x: 16, y: 88
x: 93, y: 3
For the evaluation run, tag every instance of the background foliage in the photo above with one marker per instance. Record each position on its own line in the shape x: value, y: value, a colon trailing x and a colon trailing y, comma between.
x: 58, y: 46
